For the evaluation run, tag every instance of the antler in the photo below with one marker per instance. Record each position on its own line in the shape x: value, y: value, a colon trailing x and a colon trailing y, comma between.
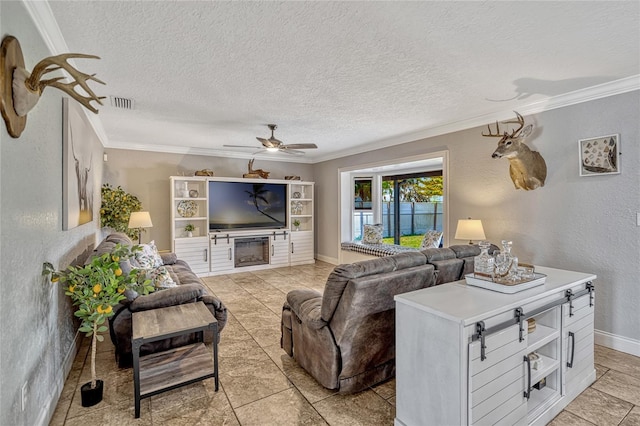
x: 519, y: 120
x: 491, y: 135
x: 54, y: 63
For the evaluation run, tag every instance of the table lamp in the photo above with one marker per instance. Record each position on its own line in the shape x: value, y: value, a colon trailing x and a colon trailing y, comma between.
x: 140, y: 220
x: 469, y: 229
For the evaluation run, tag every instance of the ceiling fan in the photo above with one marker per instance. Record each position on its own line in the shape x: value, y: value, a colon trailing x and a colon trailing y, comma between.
x: 274, y: 145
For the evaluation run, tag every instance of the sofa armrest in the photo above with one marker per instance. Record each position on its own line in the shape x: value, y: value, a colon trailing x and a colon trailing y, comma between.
x: 306, y: 304
x: 168, y: 297
x: 168, y: 258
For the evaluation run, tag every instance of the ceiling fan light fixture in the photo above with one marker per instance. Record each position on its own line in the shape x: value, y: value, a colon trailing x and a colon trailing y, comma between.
x: 273, y: 149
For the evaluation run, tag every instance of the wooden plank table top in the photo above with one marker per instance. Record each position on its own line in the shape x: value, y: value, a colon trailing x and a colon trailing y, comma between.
x: 178, y: 319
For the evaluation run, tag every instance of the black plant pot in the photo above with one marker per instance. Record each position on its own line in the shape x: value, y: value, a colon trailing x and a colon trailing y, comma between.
x: 90, y: 396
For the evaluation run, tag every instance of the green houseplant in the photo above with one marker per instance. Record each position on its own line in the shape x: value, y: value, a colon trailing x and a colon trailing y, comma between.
x: 95, y: 289
x: 296, y: 223
x: 189, y: 228
x: 117, y: 205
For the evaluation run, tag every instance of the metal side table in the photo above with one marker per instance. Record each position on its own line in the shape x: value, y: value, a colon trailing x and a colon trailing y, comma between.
x: 159, y: 372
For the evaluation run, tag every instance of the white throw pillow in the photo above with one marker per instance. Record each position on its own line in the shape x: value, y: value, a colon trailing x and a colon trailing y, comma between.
x: 161, y: 278
x: 372, y: 234
x: 148, y: 257
x: 431, y: 240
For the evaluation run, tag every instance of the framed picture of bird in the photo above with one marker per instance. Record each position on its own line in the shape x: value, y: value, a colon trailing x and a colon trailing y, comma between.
x: 600, y: 156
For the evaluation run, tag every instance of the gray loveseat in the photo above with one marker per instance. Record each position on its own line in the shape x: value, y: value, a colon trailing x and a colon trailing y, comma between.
x: 190, y: 289
x: 345, y: 338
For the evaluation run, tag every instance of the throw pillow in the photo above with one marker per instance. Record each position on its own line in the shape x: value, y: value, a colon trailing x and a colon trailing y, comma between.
x: 431, y: 240
x: 161, y: 278
x: 148, y: 257
x: 372, y: 234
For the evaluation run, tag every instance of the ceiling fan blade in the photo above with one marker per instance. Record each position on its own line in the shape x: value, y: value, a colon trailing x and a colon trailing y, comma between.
x: 267, y: 143
x: 301, y: 146
x: 291, y: 151
x: 239, y: 146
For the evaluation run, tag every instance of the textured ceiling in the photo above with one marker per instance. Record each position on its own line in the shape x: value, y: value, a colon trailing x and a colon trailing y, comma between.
x: 343, y: 75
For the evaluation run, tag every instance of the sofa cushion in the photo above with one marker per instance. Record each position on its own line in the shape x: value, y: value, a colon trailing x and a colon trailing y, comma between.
x: 341, y: 275
x: 169, y: 297
x: 465, y: 250
x: 448, y: 270
x: 434, y: 254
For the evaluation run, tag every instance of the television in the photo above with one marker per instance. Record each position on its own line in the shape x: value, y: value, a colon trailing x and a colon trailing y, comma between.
x: 247, y: 205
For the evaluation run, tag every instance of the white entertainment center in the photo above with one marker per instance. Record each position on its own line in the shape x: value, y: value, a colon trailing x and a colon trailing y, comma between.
x: 234, y: 249
x: 463, y: 353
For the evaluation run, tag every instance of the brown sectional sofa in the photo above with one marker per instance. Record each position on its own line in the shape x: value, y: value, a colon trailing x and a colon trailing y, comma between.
x: 190, y: 289
x: 345, y: 338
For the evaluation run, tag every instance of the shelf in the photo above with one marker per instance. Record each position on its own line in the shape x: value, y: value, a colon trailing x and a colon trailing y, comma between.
x: 174, y: 367
x: 301, y: 215
x: 190, y: 218
x: 541, y: 336
x: 548, y: 366
x: 189, y: 198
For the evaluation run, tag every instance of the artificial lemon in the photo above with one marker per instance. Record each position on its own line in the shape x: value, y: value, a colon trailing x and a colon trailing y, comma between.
x: 121, y: 290
x: 108, y: 309
x: 115, y: 258
x: 55, y: 279
x: 71, y: 288
x: 118, y: 272
x: 97, y: 288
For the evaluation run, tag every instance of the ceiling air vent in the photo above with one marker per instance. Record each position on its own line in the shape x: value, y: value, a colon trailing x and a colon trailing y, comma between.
x: 122, y: 103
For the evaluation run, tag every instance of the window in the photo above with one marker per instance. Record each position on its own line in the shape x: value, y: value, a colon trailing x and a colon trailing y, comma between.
x: 354, y: 211
x: 411, y: 206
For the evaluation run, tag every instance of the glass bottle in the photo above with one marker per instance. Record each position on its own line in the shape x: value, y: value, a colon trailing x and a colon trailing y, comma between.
x: 483, y: 264
x: 503, y: 261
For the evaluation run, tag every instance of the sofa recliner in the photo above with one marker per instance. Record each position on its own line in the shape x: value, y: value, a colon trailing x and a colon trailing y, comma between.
x: 190, y: 289
x: 345, y: 337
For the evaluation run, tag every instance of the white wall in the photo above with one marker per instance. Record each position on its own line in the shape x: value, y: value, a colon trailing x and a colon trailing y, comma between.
x: 37, y: 331
x: 146, y: 175
x: 577, y: 223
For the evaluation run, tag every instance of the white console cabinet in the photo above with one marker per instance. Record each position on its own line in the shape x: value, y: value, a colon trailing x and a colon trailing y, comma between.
x: 466, y: 356
x: 239, y: 249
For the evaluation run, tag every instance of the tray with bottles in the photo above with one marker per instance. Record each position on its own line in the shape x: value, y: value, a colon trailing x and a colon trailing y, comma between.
x: 506, y: 284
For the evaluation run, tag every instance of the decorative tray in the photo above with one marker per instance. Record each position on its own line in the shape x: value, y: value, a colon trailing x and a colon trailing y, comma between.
x: 506, y: 286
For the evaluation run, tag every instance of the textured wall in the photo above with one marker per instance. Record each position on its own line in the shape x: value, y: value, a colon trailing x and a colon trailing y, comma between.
x: 577, y: 223
x: 36, y: 328
x: 146, y: 175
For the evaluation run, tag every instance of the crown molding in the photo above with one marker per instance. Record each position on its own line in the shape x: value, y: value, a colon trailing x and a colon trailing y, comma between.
x: 617, y: 87
x: 182, y: 150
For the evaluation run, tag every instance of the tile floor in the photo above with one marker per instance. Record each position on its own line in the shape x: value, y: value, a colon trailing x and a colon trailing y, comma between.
x: 261, y: 385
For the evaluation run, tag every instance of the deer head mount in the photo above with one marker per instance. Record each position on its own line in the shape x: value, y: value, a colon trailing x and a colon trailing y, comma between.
x: 21, y: 89
x: 527, y: 168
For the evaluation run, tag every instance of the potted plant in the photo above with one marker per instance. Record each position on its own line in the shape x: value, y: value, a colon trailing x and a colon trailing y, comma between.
x: 189, y: 228
x: 296, y: 223
x: 95, y: 289
x: 116, y: 208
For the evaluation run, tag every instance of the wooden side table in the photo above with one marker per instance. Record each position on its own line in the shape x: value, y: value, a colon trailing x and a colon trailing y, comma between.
x: 163, y: 371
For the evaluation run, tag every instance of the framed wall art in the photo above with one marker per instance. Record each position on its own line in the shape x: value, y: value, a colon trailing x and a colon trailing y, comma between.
x: 599, y: 156
x: 79, y: 141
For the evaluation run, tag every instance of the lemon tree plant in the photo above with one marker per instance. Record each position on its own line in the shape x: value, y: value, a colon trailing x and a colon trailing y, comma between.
x: 96, y: 288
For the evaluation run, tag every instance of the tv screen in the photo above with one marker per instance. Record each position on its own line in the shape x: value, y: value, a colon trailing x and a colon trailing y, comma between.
x: 244, y: 205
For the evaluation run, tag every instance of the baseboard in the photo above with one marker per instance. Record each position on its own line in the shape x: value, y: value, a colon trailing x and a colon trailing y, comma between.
x: 619, y: 343
x: 50, y: 406
x: 331, y: 260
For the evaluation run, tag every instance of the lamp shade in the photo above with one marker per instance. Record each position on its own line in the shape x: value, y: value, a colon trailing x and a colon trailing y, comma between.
x: 469, y: 229
x: 140, y: 220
